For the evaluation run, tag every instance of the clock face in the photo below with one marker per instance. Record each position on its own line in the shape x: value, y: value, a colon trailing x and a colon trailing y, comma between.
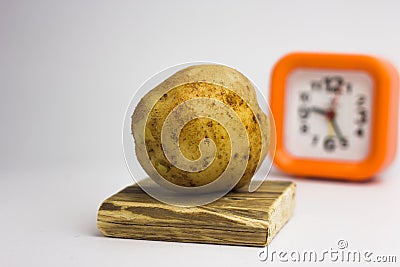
x: 328, y: 114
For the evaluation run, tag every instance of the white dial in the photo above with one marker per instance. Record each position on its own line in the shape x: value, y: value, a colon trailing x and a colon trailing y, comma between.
x: 328, y: 114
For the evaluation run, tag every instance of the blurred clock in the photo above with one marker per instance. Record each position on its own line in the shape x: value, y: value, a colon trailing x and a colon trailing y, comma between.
x: 336, y: 115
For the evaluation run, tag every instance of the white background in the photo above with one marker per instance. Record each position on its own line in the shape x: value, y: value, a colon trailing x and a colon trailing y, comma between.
x: 67, y: 73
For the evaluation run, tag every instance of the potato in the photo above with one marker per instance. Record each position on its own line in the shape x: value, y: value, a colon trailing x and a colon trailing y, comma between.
x: 201, y: 124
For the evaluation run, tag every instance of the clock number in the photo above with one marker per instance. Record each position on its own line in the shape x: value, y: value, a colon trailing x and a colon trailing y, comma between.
x: 303, y: 112
x: 315, y: 140
x: 316, y: 85
x: 349, y: 88
x: 304, y: 128
x: 329, y: 144
x: 360, y: 100
x: 360, y: 132
x: 362, y: 118
x: 344, y: 143
x: 304, y: 96
x: 333, y: 83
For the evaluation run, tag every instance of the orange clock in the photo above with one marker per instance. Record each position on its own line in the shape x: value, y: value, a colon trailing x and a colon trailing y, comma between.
x: 336, y: 115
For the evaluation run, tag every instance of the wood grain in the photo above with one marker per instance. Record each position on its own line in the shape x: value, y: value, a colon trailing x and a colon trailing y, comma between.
x: 238, y: 218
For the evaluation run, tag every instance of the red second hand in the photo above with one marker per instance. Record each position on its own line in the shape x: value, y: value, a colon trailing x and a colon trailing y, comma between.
x: 332, y: 109
x: 331, y: 114
x: 335, y: 99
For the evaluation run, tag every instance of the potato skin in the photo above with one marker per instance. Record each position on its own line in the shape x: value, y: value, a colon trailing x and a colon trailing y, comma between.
x: 222, y: 84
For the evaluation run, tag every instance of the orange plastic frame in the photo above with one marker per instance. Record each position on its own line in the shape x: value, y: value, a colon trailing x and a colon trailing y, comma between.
x: 384, y: 117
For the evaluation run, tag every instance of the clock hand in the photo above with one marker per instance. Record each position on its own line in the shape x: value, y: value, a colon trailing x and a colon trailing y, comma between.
x: 331, y: 117
x: 319, y: 111
x: 336, y: 98
x: 336, y: 128
x: 331, y: 114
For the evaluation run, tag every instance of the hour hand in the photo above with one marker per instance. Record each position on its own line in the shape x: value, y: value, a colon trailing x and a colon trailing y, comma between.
x: 319, y: 110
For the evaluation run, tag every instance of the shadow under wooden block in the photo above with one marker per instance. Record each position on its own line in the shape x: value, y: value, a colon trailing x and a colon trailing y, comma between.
x: 238, y: 218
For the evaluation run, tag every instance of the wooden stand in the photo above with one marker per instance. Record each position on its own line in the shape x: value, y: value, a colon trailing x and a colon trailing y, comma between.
x: 238, y: 218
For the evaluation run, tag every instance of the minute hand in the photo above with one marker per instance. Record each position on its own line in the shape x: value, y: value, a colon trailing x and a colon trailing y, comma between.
x: 336, y: 128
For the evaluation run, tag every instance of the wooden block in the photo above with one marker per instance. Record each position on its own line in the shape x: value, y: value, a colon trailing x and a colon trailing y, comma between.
x: 238, y: 218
